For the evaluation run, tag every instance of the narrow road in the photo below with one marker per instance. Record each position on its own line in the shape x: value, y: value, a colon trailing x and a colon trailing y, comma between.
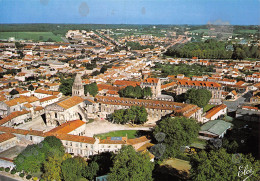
x: 5, y: 178
x: 233, y: 105
x: 65, y: 39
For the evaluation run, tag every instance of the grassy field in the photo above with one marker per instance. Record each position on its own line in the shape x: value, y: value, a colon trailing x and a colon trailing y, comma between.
x: 248, y: 31
x: 178, y: 164
x: 200, y: 30
x: 208, y: 107
x: 35, y: 36
x: 130, y: 134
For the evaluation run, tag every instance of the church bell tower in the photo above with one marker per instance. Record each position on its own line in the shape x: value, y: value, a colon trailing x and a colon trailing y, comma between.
x: 78, y: 88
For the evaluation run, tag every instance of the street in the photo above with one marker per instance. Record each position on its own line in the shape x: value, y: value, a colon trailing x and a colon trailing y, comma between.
x: 233, y: 105
x: 5, y: 178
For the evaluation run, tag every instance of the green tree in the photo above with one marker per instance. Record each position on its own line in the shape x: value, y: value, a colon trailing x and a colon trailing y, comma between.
x: 14, y: 92
x: 92, y: 89
x: 31, y: 88
x: 30, y: 159
x: 118, y: 116
x: 147, y: 92
x: 135, y: 114
x: 18, y: 45
x: 200, y: 97
x: 53, y: 146
x: 131, y: 165
x: 91, y: 170
x: 73, y: 168
x: 135, y: 92
x: 52, y: 168
x: 179, y: 131
x: 66, y: 86
x: 220, y: 165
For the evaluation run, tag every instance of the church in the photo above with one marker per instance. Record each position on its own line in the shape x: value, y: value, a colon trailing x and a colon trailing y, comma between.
x: 79, y: 106
x: 68, y: 108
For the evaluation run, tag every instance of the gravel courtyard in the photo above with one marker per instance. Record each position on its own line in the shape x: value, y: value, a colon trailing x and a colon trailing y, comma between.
x: 103, y: 126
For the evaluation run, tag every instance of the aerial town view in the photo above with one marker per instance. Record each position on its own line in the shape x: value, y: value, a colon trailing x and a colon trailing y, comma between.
x: 129, y: 90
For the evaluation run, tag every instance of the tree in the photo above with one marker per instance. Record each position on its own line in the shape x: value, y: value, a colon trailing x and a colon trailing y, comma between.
x: 52, y: 168
x: 136, y: 115
x: 180, y: 131
x: 91, y: 170
x: 95, y: 73
x: 18, y: 45
x: 135, y: 92
x: 147, y: 92
x: 31, y: 88
x: 66, y: 86
x: 14, y: 92
x: 92, y: 89
x: 200, y: 97
x: 73, y: 168
x: 220, y: 165
x: 30, y: 159
x: 53, y: 144
x: 104, y: 160
x: 83, y: 51
x: 103, y: 69
x: 131, y: 165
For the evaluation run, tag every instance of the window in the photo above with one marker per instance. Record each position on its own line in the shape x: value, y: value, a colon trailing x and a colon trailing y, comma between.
x: 56, y: 115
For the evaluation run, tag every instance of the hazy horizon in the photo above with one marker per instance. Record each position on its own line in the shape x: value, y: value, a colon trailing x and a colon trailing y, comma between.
x: 145, y: 12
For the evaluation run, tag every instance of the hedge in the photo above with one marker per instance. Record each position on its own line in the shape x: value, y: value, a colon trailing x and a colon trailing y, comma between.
x: 13, y: 171
x: 28, y: 177
x: 7, y: 169
x: 21, y: 174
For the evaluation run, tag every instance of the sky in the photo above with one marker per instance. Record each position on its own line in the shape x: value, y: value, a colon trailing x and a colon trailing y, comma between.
x: 195, y: 12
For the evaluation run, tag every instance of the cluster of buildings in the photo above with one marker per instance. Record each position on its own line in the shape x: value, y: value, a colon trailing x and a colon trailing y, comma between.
x: 31, y: 77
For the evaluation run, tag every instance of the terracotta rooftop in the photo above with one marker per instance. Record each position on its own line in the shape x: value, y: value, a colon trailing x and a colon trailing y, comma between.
x: 6, y: 136
x: 126, y: 83
x: 70, y: 102
x: 137, y: 140
x: 154, y: 104
x: 67, y: 127
x: 214, y: 110
x: 38, y: 108
x: 198, y: 83
x: 109, y: 141
x: 48, y: 98
x: 151, y: 80
x: 107, y: 87
x: 41, y: 91
x: 168, y: 85
x: 13, y: 115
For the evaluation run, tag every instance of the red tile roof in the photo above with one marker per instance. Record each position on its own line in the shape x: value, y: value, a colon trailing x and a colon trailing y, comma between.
x: 151, y: 80
x: 70, y: 102
x: 126, y: 83
x: 137, y: 140
x: 214, y: 110
x: 13, y: 115
x: 67, y: 127
x: 198, y: 83
x: 41, y: 91
x: 48, y: 98
x: 6, y: 136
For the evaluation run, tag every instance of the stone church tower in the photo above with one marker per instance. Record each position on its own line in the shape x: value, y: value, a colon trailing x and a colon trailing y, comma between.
x: 78, y: 88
